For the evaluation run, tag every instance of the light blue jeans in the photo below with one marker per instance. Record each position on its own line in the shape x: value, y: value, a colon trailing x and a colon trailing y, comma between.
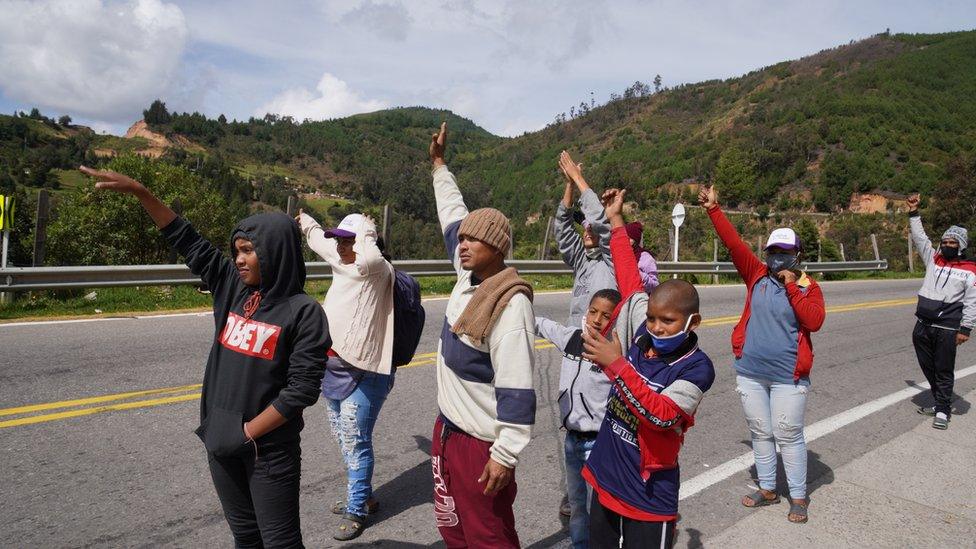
x: 774, y: 412
x: 577, y: 450
x: 352, y: 420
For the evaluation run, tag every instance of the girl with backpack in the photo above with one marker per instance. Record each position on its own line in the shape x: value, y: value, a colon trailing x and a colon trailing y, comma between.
x: 360, y: 368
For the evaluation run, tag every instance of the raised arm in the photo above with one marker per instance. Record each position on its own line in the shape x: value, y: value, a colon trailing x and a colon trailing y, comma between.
x: 921, y: 240
x: 589, y: 202
x: 450, y: 204
x: 556, y: 333
x: 315, y: 236
x: 202, y: 257
x: 624, y: 263
x: 744, y: 260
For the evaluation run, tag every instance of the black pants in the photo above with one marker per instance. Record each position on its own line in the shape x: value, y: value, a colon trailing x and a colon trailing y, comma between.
x: 608, y: 530
x: 936, y: 351
x: 260, y: 497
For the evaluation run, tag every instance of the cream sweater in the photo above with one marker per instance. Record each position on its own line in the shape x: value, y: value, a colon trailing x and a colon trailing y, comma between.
x: 359, y: 304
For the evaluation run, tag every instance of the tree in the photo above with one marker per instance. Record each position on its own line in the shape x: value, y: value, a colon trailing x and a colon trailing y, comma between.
x: 65, y: 120
x: 735, y: 175
x: 99, y: 228
x: 156, y: 114
x: 954, y: 198
x: 657, y: 83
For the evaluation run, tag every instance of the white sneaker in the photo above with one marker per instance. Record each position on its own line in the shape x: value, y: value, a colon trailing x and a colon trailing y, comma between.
x: 941, y: 421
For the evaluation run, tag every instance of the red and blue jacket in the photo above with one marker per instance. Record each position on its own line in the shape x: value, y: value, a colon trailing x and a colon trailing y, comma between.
x: 805, y: 296
x: 633, y: 466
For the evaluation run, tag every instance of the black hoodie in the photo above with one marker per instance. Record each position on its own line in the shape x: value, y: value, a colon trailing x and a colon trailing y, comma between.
x: 274, y: 356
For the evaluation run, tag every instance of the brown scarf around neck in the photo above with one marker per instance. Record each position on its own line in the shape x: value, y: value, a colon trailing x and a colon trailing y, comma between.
x: 488, y: 302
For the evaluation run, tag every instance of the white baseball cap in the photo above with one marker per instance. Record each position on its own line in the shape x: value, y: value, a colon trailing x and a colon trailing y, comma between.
x: 347, y: 227
x: 783, y: 237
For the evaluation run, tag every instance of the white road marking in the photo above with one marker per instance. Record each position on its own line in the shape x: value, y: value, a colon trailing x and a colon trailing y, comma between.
x: 811, y: 433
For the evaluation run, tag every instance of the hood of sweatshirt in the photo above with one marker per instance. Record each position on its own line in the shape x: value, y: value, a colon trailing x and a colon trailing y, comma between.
x: 278, y: 244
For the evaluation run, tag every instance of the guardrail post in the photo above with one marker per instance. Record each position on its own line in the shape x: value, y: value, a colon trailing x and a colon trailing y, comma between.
x: 911, y: 255
x: 292, y: 208
x: 715, y: 258
x: 545, y: 240
x: 386, y: 227
x: 511, y: 244
x: 40, y: 227
x: 874, y: 244
x: 177, y: 208
x: 843, y: 257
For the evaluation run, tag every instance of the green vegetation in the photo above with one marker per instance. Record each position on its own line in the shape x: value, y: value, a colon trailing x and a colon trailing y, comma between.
x: 889, y: 113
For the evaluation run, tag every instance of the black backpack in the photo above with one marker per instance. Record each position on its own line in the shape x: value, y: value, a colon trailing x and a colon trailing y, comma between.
x: 408, y: 318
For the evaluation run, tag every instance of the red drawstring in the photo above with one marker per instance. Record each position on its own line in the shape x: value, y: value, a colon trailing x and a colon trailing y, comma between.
x: 251, y: 305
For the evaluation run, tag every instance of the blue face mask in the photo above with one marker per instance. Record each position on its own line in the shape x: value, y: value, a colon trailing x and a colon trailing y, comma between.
x: 669, y: 344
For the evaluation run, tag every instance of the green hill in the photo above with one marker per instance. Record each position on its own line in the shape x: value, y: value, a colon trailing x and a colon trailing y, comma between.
x: 889, y: 114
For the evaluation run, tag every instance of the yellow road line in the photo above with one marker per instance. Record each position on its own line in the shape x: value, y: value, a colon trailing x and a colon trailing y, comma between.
x: 95, y: 400
x: 98, y: 409
x: 426, y: 358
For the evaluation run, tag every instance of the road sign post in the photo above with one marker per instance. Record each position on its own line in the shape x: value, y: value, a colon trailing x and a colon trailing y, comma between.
x: 677, y: 218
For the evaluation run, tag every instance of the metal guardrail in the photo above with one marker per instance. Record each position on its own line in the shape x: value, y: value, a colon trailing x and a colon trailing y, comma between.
x: 62, y: 278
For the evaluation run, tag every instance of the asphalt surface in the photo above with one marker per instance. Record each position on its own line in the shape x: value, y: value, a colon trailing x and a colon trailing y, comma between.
x: 138, y: 477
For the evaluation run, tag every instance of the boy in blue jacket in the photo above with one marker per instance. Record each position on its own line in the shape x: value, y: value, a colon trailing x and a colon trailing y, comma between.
x: 656, y: 388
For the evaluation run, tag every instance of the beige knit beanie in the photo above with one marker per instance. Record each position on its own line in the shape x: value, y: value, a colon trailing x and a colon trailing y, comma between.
x: 489, y: 226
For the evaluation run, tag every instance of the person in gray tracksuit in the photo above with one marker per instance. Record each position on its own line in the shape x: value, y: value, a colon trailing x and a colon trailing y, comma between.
x: 946, y: 310
x: 583, y: 391
x: 588, y: 255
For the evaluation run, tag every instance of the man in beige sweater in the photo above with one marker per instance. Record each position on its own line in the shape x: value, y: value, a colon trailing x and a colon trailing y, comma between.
x: 484, y: 373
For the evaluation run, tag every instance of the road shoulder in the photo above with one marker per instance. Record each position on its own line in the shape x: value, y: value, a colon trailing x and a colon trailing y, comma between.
x: 916, y: 490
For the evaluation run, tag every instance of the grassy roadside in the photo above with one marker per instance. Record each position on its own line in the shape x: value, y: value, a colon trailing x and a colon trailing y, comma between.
x: 141, y: 300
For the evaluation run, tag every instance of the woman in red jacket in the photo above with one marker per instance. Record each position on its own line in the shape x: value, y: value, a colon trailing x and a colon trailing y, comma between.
x: 773, y: 354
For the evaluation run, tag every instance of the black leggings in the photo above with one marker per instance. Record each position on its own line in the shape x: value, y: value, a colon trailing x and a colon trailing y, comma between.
x: 608, y: 530
x: 936, y: 352
x: 260, y: 497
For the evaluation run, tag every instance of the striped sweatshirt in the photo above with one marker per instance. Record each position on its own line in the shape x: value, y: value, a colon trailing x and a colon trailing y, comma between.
x: 484, y: 390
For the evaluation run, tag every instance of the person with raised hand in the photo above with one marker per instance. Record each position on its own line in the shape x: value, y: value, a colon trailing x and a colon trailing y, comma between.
x: 946, y: 310
x: 484, y: 372
x: 360, y: 369
x: 773, y: 354
x: 588, y: 255
x: 264, y: 368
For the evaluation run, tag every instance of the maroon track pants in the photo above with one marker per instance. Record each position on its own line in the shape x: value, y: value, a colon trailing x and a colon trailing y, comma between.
x: 465, y: 516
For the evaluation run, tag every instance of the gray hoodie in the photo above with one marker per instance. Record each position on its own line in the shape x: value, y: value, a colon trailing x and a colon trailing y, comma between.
x: 583, y: 387
x: 947, y: 298
x: 593, y: 269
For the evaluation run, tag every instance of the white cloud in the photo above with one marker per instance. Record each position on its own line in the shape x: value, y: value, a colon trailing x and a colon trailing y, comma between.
x: 94, y: 59
x: 332, y: 98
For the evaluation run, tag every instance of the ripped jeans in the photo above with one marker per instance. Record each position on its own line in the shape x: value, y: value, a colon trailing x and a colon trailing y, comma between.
x: 352, y: 420
x: 774, y: 412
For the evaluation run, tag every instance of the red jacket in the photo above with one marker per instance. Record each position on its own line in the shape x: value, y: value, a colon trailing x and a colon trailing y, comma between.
x: 808, y: 306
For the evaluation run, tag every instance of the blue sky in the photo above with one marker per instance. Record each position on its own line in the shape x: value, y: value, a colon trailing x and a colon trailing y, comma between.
x: 510, y: 65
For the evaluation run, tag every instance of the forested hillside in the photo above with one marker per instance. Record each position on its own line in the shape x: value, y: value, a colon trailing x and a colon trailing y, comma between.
x: 889, y: 113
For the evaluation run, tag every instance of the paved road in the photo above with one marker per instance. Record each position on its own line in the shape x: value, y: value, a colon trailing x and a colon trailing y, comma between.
x: 138, y: 476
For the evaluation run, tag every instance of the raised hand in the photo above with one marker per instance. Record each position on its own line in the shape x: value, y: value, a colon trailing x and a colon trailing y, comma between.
x: 613, y: 202
x: 913, y: 201
x: 298, y: 218
x: 708, y: 197
x: 438, y: 144
x: 113, y: 181
x: 571, y: 170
